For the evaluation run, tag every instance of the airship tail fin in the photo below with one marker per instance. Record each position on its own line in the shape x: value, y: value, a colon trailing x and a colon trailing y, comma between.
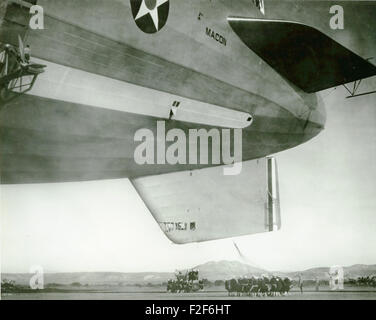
x: 205, y: 204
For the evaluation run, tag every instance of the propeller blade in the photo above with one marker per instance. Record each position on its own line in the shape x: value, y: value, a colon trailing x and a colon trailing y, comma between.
x: 21, y: 48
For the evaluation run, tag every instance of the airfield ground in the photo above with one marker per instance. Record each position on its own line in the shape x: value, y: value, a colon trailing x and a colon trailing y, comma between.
x: 348, y: 294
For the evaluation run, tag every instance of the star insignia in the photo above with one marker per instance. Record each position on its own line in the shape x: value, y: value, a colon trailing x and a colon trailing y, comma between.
x: 144, y: 10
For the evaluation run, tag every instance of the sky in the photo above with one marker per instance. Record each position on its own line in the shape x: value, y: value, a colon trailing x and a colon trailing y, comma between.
x: 327, y: 190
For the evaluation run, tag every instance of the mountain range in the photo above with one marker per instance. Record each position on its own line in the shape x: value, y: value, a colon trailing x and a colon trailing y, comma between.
x: 213, y: 270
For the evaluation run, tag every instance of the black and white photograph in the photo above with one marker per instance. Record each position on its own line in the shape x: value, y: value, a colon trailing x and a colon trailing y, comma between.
x: 188, y: 150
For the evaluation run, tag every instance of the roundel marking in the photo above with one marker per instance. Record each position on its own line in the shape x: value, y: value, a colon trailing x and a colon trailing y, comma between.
x: 150, y: 15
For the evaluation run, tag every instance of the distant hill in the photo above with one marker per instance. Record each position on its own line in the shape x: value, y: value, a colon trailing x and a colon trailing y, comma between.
x: 214, y: 270
x: 211, y: 270
x: 94, y: 278
x: 354, y: 271
x: 361, y: 270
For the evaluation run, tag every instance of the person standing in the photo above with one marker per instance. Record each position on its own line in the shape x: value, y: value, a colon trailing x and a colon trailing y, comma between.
x: 27, y: 53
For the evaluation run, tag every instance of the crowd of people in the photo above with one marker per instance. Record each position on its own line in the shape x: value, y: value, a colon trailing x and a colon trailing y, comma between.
x: 259, y: 286
x: 185, y: 282
x: 368, y: 281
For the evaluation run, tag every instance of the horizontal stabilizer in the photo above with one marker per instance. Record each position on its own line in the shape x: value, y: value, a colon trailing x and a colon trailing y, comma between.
x: 301, y: 54
x: 205, y: 204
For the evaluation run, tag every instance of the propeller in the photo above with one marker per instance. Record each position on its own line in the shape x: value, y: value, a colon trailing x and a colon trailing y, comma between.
x: 21, y: 48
